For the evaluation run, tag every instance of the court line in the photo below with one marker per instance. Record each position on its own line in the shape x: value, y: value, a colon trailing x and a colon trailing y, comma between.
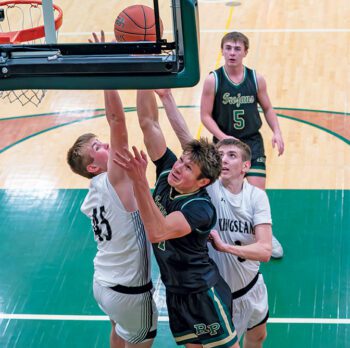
x: 335, y: 321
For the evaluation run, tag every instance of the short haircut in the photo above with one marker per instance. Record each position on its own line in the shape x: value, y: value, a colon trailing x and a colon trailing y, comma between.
x: 245, y: 149
x: 206, y: 156
x: 78, y: 158
x: 235, y: 36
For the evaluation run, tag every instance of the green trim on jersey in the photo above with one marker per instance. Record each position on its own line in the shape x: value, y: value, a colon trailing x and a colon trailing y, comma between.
x: 235, y: 107
x: 234, y: 83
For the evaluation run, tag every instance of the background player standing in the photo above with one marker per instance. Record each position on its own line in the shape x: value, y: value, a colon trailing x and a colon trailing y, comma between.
x: 229, y: 108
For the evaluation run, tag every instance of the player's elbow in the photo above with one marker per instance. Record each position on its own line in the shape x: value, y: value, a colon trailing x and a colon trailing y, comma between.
x: 266, y: 258
x: 266, y: 254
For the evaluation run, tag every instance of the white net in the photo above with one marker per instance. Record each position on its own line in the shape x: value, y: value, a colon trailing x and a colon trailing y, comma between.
x: 20, y: 16
x: 24, y: 96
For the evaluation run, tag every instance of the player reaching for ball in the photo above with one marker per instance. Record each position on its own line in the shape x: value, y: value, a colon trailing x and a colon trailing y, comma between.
x: 122, y: 266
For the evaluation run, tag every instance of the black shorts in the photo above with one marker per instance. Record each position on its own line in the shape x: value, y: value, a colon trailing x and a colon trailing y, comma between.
x: 202, y: 318
x: 256, y: 144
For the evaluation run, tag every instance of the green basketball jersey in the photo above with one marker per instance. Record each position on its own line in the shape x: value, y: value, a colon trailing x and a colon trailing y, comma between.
x: 236, y: 104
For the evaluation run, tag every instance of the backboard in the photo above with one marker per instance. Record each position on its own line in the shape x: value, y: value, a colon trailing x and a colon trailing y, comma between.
x: 69, y: 61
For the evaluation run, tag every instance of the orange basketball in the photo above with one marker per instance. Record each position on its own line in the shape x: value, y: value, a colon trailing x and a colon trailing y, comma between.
x: 136, y: 23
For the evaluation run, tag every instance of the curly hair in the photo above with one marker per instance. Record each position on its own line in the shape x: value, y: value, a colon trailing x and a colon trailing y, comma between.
x: 206, y: 156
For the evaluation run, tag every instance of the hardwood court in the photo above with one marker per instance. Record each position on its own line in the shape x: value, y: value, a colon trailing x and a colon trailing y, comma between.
x: 47, y: 247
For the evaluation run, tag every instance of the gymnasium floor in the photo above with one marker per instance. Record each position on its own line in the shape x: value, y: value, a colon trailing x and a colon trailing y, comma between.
x: 47, y: 245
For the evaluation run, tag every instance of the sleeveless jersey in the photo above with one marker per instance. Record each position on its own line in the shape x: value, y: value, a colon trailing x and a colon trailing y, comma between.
x: 235, y: 109
x: 184, y: 262
x: 237, y: 216
x: 123, y: 252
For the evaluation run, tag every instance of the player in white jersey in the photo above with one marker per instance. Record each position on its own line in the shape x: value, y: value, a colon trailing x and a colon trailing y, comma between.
x: 242, y: 239
x: 122, y: 266
x: 243, y: 231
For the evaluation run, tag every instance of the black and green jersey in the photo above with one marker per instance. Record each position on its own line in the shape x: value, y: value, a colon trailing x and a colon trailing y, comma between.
x: 184, y: 263
x: 236, y: 104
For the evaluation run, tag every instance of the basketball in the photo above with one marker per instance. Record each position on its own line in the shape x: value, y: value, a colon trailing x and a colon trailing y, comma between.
x: 136, y: 23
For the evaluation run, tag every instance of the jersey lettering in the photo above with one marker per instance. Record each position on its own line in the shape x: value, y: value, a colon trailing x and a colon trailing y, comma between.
x: 96, y: 224
x: 238, y: 120
x: 211, y: 329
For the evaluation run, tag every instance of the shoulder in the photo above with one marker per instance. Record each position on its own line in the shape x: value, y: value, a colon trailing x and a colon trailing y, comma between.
x: 199, y: 212
x: 213, y: 188
x: 98, y: 185
x: 99, y: 180
x: 209, y: 81
x: 253, y: 190
x: 165, y: 163
x: 261, y: 81
x: 255, y: 195
x: 200, y: 200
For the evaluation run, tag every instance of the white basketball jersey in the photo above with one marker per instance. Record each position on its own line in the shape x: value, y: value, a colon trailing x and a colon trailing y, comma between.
x: 123, y: 252
x: 236, y: 217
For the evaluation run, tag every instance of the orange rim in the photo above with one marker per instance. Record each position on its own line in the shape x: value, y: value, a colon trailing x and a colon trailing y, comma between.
x: 13, y: 37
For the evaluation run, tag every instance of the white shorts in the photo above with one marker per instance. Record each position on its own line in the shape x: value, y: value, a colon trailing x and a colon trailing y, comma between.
x: 135, y: 315
x: 251, y: 309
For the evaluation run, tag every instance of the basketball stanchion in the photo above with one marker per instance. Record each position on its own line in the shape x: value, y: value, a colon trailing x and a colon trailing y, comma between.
x: 22, y: 21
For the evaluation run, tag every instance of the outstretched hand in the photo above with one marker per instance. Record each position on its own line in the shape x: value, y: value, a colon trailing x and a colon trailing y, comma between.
x: 101, y: 39
x: 97, y: 39
x: 134, y: 164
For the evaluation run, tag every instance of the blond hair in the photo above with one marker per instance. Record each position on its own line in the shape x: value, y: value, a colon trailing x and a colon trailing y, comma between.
x: 245, y: 149
x: 78, y: 158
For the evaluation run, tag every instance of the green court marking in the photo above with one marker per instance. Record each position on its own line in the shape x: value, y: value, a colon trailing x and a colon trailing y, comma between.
x: 51, y: 248
x: 347, y: 141
x: 132, y: 109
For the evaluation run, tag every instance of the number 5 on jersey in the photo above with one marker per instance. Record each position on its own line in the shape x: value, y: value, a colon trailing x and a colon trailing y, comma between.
x: 238, y: 120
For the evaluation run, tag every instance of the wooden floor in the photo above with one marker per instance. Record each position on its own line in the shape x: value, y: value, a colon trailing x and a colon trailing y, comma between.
x: 302, y: 48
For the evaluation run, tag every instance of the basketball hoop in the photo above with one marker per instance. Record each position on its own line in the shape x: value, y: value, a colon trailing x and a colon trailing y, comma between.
x: 23, y: 21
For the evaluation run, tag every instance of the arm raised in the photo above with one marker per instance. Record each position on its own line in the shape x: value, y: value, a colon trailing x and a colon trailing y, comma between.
x: 175, y: 117
x: 147, y: 111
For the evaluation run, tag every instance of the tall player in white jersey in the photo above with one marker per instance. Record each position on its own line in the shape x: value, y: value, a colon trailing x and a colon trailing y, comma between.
x: 243, y: 231
x: 122, y: 283
x: 242, y: 239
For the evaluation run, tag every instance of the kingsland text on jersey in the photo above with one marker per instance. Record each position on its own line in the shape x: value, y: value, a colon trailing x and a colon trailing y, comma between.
x: 236, y: 226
